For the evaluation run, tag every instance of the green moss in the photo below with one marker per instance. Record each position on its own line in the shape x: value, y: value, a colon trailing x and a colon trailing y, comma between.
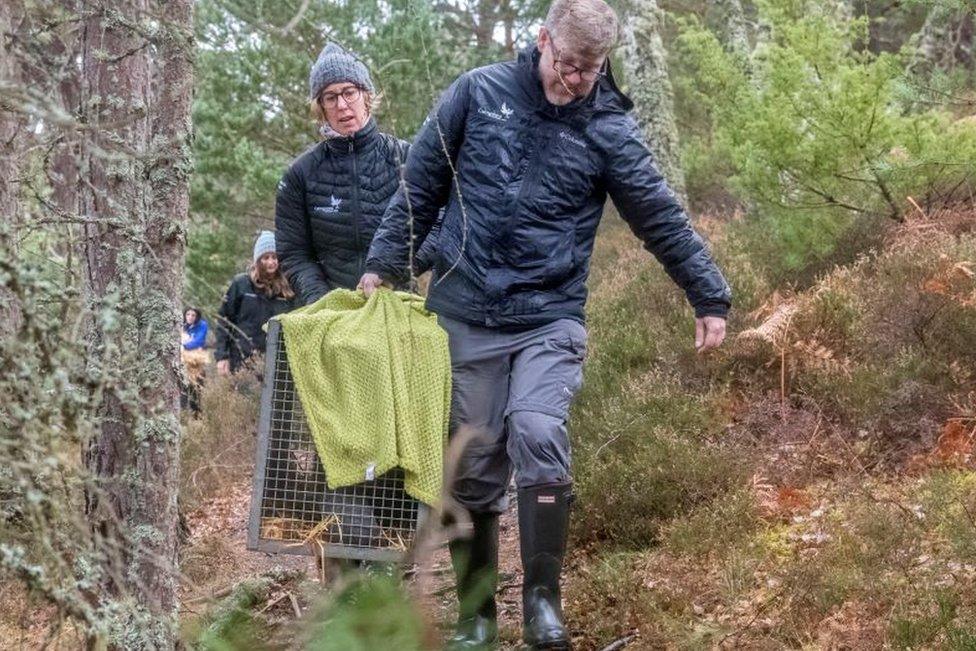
x: 776, y: 542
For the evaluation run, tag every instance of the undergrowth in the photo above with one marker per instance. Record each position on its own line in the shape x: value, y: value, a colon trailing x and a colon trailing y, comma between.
x: 809, y: 486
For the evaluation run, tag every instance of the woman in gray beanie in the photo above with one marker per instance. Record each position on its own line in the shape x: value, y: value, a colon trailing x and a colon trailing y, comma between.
x: 332, y: 197
x: 252, y: 298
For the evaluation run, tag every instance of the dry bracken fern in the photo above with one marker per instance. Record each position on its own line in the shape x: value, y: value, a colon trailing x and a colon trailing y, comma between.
x: 813, y: 354
x: 775, y: 328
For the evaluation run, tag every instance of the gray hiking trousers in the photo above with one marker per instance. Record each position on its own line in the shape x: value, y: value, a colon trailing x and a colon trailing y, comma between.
x: 512, y: 391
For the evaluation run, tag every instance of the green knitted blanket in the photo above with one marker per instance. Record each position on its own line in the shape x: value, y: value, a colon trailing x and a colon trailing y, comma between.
x: 374, y: 380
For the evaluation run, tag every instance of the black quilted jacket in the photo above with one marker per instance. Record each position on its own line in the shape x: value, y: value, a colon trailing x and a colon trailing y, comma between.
x: 329, y: 203
x: 521, y: 217
x: 242, y: 316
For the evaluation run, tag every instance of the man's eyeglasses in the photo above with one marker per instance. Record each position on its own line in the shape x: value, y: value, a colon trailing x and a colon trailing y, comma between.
x: 565, y: 69
x: 350, y: 94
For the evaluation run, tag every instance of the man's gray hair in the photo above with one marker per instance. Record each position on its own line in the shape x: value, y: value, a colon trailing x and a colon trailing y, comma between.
x: 589, y: 27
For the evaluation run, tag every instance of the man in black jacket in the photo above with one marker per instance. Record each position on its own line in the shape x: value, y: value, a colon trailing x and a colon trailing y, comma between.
x: 522, y: 155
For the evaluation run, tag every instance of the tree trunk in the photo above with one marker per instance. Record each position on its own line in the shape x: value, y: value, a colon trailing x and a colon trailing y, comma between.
x: 135, y: 163
x: 732, y: 26
x: 13, y: 127
x: 509, y: 16
x: 486, y: 16
x: 645, y: 62
x: 945, y: 42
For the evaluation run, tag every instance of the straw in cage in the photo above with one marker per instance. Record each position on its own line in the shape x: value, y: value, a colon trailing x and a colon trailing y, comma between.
x: 395, y: 540
x: 321, y: 532
x: 277, y: 528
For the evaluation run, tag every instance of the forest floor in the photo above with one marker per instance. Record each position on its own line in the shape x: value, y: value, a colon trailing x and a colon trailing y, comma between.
x: 215, y: 558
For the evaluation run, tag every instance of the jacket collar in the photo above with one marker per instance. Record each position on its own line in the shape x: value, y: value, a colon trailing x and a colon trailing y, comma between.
x: 359, y: 141
x: 605, y: 96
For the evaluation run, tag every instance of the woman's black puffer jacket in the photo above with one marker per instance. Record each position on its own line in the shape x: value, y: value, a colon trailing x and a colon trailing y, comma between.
x: 242, y: 316
x: 329, y: 203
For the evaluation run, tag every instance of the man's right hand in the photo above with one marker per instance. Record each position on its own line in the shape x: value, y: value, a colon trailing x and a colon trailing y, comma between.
x: 223, y: 367
x: 369, y: 283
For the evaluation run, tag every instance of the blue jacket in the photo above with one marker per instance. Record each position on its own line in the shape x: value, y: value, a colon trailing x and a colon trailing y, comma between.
x: 198, y: 334
x: 521, y: 217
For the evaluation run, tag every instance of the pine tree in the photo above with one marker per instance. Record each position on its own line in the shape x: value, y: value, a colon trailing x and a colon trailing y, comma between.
x: 135, y: 91
x: 12, y: 144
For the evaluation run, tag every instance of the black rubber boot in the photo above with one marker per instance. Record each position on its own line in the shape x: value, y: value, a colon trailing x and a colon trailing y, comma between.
x: 475, y: 563
x: 543, y: 513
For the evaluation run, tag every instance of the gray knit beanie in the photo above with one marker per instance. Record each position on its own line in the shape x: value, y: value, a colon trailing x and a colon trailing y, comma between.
x: 264, y: 244
x: 334, y: 65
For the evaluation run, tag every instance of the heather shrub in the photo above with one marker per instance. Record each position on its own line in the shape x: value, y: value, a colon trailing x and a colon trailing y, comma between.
x: 642, y: 421
x: 218, y: 444
x: 890, y: 335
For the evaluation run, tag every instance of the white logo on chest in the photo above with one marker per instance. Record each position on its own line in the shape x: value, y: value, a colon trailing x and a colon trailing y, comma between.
x: 502, y: 114
x: 565, y: 135
x: 332, y: 208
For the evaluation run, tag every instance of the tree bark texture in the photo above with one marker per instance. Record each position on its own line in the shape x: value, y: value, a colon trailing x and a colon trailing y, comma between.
x: 646, y: 65
x: 13, y: 139
x: 731, y: 24
x: 136, y: 86
x: 945, y: 42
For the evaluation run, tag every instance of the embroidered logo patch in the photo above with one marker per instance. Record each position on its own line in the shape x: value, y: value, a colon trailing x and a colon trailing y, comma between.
x: 332, y: 208
x: 502, y: 114
x: 546, y: 499
x: 565, y: 135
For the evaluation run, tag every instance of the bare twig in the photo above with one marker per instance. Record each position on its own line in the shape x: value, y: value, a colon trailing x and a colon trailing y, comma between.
x: 294, y: 605
x: 213, y: 596
x: 297, y: 17
x: 620, y: 643
x: 274, y: 602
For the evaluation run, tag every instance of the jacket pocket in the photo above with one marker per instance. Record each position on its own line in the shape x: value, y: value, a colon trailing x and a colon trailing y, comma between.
x: 542, y: 251
x: 448, y: 253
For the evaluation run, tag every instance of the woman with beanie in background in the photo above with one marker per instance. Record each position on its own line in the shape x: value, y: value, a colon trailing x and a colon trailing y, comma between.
x: 252, y: 298
x: 332, y: 198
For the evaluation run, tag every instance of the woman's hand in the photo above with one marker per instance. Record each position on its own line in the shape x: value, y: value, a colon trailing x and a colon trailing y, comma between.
x: 369, y: 283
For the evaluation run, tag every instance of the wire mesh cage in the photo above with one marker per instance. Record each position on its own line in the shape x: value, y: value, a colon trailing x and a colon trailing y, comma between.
x: 292, y: 508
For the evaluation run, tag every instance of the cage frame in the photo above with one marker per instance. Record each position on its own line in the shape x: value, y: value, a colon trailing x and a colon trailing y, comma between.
x: 265, y: 421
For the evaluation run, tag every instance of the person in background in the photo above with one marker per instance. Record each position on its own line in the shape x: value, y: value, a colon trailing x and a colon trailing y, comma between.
x: 524, y: 155
x: 252, y: 298
x: 195, y: 358
x: 194, y: 329
x: 332, y: 197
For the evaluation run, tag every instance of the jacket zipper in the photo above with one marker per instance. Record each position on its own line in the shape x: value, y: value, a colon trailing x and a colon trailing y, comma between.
x: 355, y: 203
x: 531, y: 172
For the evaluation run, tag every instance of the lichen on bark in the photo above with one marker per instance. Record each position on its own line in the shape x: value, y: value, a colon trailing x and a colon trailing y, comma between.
x: 648, y: 83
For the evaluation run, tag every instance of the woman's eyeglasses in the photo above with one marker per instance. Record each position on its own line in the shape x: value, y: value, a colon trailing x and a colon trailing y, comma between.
x: 350, y: 94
